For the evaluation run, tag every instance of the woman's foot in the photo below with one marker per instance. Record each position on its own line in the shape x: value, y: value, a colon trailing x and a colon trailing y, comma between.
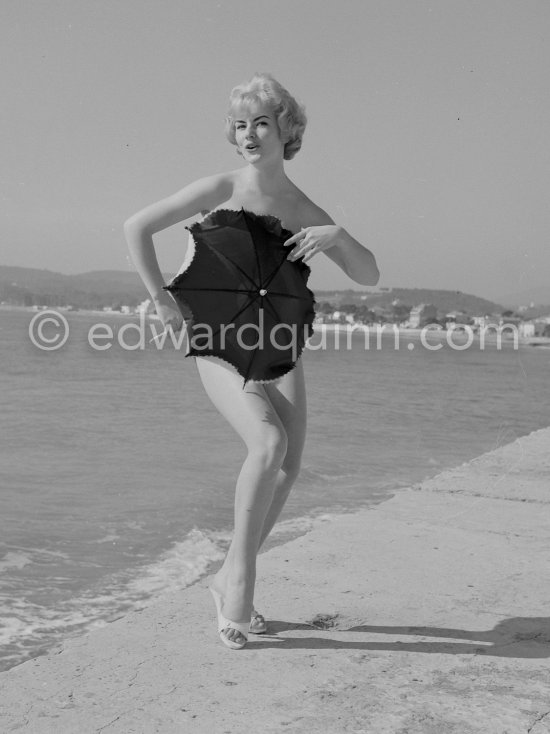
x: 258, y: 625
x: 233, y: 608
x: 232, y: 634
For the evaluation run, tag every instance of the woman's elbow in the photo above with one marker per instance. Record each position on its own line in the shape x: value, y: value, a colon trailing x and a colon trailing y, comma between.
x: 136, y: 229
x: 368, y: 278
x: 368, y: 274
x: 374, y: 275
x: 133, y: 224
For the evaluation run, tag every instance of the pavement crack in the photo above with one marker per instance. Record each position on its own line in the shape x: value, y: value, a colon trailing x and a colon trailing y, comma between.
x: 537, y: 720
x: 136, y: 673
x: 108, y: 724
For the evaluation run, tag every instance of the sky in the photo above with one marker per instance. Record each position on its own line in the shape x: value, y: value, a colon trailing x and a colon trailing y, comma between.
x: 427, y: 133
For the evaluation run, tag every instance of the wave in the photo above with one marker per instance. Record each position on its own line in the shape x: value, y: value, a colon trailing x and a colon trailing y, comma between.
x: 15, y: 559
x: 28, y: 629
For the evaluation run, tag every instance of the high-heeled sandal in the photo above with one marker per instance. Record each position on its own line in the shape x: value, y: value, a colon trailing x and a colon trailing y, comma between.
x: 223, y: 624
x: 258, y: 625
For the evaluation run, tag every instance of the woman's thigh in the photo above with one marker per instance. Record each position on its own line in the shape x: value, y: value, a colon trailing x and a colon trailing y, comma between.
x: 249, y: 411
x: 288, y: 398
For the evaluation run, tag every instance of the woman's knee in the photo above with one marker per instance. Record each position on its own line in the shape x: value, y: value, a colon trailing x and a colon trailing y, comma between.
x: 291, y: 467
x: 270, y: 447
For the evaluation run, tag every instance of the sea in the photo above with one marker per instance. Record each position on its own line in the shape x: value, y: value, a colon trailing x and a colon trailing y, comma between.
x: 117, y: 474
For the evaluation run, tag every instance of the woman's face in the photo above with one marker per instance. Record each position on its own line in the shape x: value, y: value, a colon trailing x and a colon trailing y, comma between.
x: 257, y: 133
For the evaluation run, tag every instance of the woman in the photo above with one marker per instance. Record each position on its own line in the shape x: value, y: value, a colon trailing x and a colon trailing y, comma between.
x: 266, y: 125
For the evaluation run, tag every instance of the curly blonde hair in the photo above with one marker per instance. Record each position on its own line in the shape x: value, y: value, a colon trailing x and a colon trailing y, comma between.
x: 290, y: 114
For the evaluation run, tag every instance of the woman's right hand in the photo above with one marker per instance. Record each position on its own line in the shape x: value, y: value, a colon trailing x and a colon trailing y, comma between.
x: 168, y: 311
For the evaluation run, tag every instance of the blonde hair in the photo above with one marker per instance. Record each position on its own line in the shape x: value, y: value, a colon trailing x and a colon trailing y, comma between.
x: 290, y: 114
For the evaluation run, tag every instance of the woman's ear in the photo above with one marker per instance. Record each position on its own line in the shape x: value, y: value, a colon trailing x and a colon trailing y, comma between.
x: 283, y: 134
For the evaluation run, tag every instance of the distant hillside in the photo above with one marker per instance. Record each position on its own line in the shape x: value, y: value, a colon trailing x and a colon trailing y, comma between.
x: 28, y: 286
x: 444, y: 301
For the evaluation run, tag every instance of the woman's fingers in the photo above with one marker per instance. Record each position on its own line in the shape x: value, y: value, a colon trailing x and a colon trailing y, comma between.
x: 174, y: 322
x: 170, y: 317
x: 296, y: 237
x: 167, y: 328
x: 300, y: 239
x: 313, y: 240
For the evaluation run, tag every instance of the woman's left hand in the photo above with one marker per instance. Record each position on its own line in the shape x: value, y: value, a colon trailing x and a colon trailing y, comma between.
x: 311, y: 240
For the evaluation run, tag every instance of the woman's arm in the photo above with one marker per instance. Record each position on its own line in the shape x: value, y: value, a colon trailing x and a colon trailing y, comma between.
x: 204, y: 194
x: 354, y: 259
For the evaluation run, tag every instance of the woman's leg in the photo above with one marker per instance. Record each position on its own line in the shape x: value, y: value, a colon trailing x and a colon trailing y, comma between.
x: 251, y: 413
x: 288, y: 397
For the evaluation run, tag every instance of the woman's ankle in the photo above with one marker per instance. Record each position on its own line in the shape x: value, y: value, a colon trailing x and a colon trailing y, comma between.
x: 230, y: 578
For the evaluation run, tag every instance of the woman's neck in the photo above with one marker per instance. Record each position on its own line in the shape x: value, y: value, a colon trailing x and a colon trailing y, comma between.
x: 269, y: 178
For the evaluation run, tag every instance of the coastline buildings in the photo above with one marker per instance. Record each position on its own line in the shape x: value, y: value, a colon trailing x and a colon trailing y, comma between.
x: 421, y: 315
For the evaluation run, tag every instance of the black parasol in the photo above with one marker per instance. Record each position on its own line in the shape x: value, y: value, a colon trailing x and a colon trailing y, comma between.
x: 250, y: 305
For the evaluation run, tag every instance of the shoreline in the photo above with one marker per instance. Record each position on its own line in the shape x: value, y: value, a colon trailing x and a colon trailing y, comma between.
x: 386, y: 330
x: 440, y: 334
x: 285, y: 531
x: 75, y: 311
x: 434, y: 625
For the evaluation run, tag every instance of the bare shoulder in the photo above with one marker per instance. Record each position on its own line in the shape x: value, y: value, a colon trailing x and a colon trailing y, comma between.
x: 207, y: 191
x: 211, y: 189
x: 220, y: 188
x: 312, y: 215
x: 203, y: 194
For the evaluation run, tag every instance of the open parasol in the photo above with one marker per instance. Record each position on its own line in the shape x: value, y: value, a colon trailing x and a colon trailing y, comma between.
x: 250, y: 305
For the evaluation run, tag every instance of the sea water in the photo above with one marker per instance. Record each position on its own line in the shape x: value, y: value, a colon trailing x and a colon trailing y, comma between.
x: 117, y: 474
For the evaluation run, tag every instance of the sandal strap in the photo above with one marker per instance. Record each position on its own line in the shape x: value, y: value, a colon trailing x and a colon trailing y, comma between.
x: 241, y: 627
